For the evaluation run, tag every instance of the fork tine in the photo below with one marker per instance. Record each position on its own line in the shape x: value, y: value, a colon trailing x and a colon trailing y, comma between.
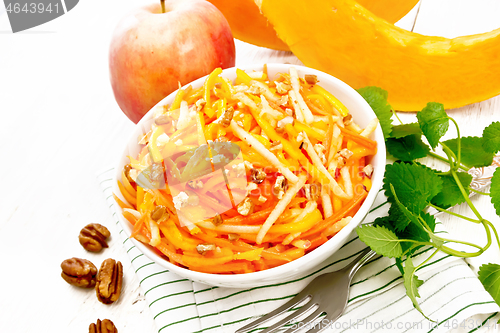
x: 285, y: 307
x: 306, y: 321
x: 306, y: 307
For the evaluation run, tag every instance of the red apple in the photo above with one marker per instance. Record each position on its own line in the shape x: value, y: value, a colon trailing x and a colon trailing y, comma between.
x: 152, y: 51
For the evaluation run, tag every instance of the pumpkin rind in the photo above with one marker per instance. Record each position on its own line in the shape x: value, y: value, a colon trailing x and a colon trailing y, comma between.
x: 413, y: 68
x: 249, y: 25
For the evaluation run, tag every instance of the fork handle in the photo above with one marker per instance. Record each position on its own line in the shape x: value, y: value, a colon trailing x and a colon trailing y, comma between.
x: 362, y: 259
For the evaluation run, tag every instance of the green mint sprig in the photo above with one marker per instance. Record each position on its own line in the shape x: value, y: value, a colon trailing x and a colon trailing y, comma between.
x: 412, y: 187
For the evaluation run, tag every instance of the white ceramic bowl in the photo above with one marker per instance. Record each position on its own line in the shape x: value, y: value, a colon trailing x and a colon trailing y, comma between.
x: 362, y: 114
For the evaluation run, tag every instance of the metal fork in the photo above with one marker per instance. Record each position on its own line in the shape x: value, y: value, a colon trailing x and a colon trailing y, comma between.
x: 319, y: 294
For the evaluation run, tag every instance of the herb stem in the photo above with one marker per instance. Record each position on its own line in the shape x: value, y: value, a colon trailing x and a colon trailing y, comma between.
x: 476, y: 191
x: 459, y: 242
x: 461, y: 254
x: 426, y: 260
x: 454, y: 214
x: 458, y: 141
x: 375, y: 208
x: 466, y: 196
x: 451, y: 157
x: 494, y: 231
x: 397, y: 117
x: 439, y: 157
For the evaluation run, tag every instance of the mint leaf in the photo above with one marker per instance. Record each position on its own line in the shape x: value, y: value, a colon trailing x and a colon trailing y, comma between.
x: 430, y: 220
x: 400, y: 131
x: 450, y: 195
x: 495, y: 190
x: 381, y: 240
x: 397, y: 219
x: 489, y: 275
x: 414, y: 184
x: 407, y: 148
x: 377, y: 99
x: 412, y: 283
x: 434, y: 122
x: 491, y: 138
x: 472, y: 152
x: 404, y: 215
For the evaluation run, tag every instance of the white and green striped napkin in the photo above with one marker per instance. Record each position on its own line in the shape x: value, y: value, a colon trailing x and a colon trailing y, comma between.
x: 451, y: 293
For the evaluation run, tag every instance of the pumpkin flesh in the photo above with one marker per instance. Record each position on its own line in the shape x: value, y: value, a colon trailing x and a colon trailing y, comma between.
x: 249, y: 25
x: 413, y: 68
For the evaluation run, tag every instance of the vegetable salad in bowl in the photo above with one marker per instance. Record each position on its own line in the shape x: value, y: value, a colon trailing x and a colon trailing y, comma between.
x: 247, y: 172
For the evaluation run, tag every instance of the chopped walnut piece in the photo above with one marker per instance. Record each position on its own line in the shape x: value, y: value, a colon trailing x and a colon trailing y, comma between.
x: 79, y: 272
x: 109, y: 281
x: 245, y: 207
x: 127, y: 169
x: 280, y: 186
x: 345, y: 153
x: 160, y: 213
x: 93, y: 237
x: 320, y: 150
x: 312, y: 191
x: 217, y: 220
x: 233, y: 237
x: 347, y: 120
x: 276, y: 145
x: 311, y: 79
x: 195, y: 184
x: 339, y: 160
x: 105, y: 326
x: 282, y: 88
x: 204, y: 248
x: 254, y: 89
x: 226, y: 117
x: 368, y: 170
x: 262, y: 198
x: 257, y: 175
x: 200, y: 104
x: 283, y: 100
x: 162, y: 119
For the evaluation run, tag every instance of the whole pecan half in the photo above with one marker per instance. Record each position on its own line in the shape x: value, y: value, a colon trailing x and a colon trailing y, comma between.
x: 79, y: 272
x: 109, y: 281
x: 105, y: 326
x: 93, y: 237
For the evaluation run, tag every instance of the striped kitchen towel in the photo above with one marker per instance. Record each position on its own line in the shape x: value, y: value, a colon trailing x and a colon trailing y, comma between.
x: 451, y: 293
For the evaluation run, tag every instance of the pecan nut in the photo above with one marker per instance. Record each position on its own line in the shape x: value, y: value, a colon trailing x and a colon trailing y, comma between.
x: 105, y: 326
x: 109, y: 281
x: 93, y: 237
x: 79, y: 272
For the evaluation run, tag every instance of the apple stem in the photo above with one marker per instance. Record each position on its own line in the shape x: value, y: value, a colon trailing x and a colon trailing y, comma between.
x: 162, y: 6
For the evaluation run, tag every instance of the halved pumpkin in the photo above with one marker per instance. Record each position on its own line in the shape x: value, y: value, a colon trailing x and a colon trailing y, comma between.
x: 249, y: 25
x: 344, y: 39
